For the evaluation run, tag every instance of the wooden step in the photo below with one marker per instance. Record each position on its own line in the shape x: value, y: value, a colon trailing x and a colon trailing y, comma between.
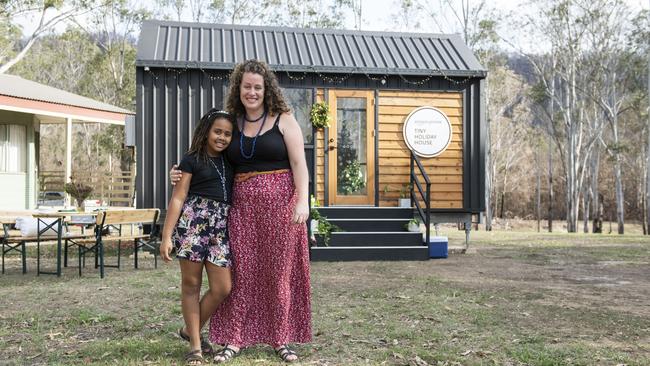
x: 381, y: 225
x: 360, y: 212
x: 372, y: 239
x: 399, y: 253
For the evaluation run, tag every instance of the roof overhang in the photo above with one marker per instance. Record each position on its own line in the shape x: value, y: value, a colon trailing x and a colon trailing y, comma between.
x: 201, y: 46
x: 315, y: 69
x: 55, y: 113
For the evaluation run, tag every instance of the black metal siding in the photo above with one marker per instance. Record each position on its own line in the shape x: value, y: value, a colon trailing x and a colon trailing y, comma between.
x: 170, y: 101
x: 473, y: 149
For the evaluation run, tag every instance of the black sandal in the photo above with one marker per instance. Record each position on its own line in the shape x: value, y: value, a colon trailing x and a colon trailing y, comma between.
x: 227, y: 353
x: 206, y: 347
x: 194, y: 358
x: 285, y: 352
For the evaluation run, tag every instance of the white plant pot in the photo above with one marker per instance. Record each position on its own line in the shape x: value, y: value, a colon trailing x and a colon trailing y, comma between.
x: 414, y: 228
x: 314, y: 226
x: 404, y: 202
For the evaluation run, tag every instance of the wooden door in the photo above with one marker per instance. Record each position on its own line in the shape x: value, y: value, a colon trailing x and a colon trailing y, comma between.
x: 351, y: 147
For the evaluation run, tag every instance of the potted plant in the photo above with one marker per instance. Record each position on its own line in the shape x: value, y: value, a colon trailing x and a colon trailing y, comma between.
x: 79, y: 191
x: 413, y: 225
x: 405, y: 196
x: 314, y: 214
x: 320, y: 225
x: 320, y: 115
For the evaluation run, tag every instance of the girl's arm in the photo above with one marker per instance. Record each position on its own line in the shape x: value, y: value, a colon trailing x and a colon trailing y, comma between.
x: 173, y: 213
x: 293, y: 139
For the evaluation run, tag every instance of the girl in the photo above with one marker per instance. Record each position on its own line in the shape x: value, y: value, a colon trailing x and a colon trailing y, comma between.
x: 196, y: 224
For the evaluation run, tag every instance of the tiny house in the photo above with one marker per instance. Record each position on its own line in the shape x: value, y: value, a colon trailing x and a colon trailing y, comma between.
x: 400, y: 104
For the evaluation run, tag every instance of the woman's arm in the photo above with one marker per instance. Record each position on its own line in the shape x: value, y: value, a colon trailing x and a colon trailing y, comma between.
x: 293, y: 139
x: 173, y: 213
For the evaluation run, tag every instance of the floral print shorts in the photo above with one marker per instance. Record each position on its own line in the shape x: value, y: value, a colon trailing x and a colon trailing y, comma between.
x: 201, y: 233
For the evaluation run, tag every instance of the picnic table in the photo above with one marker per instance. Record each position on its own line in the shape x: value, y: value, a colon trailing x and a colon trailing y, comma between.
x: 56, y: 224
x: 49, y: 226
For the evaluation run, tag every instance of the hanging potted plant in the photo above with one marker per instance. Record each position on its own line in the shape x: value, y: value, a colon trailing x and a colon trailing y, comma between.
x: 320, y: 115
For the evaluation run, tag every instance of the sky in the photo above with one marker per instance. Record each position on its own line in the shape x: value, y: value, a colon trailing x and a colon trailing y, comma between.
x: 377, y: 18
x: 378, y: 15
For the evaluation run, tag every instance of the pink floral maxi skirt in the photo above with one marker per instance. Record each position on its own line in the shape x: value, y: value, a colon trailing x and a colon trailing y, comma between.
x: 270, y: 298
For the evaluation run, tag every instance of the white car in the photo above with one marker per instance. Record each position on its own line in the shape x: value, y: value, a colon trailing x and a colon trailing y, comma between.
x: 51, y: 198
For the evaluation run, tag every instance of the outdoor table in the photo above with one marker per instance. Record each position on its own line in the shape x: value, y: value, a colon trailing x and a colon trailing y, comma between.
x: 57, y: 224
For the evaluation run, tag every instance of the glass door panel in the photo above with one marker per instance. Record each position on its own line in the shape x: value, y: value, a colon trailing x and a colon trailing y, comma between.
x: 351, y: 148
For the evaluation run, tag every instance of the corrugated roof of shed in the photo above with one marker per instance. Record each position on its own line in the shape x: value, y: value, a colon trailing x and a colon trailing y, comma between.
x: 15, y: 86
x: 221, y: 46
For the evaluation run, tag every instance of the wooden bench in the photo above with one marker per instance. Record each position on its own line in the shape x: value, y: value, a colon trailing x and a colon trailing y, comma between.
x: 118, y: 219
x: 13, y: 240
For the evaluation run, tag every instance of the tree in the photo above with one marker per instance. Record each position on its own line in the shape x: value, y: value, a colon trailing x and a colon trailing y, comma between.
x: 562, y: 75
x: 477, y: 24
x: 294, y: 13
x: 113, y: 28
x: 55, y: 58
x: 44, y: 15
x: 608, y: 83
x: 640, y: 43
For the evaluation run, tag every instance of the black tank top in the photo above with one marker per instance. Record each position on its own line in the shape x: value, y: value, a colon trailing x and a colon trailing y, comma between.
x: 270, y: 151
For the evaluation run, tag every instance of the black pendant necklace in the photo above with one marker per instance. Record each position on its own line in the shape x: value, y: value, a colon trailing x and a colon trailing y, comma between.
x: 255, y: 120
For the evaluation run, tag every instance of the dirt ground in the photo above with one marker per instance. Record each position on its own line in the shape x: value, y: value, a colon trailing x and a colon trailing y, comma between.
x: 516, y: 298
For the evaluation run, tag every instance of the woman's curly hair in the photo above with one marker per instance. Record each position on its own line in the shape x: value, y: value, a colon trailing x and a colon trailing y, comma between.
x: 274, y: 101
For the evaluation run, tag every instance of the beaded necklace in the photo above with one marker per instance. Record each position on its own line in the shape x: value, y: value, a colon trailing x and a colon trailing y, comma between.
x: 222, y: 177
x: 241, y: 137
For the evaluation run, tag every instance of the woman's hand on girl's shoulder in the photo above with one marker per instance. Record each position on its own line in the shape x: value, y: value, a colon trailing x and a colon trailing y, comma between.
x: 175, y: 174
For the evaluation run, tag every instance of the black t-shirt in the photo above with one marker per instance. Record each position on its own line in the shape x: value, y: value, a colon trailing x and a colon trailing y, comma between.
x: 205, y: 178
x: 270, y: 151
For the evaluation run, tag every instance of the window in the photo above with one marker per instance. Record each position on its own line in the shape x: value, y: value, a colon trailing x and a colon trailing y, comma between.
x: 13, y: 143
x: 300, y: 101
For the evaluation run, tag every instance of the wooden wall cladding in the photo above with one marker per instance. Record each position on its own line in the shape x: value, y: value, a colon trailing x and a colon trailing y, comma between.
x: 445, y: 170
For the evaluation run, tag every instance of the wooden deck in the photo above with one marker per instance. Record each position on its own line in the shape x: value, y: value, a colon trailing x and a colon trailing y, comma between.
x: 114, y: 189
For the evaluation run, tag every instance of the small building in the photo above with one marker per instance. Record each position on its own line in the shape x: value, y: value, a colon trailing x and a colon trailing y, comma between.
x: 24, y: 106
x: 371, y: 81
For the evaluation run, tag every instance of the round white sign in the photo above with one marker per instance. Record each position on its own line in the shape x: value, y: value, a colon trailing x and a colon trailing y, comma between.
x: 427, y: 132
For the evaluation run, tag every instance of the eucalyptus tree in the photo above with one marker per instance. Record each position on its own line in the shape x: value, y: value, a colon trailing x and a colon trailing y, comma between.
x: 640, y: 45
x: 477, y: 24
x: 42, y: 15
x: 562, y: 26
x: 611, y: 78
x: 295, y: 13
x: 114, y: 28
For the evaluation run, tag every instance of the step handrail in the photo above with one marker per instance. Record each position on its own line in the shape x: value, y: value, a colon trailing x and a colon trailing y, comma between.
x: 426, y: 195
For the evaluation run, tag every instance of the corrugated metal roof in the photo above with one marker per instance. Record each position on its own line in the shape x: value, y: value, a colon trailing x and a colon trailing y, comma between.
x: 15, y: 86
x: 219, y: 46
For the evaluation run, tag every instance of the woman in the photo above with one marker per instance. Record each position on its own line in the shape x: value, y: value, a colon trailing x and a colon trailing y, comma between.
x: 270, y: 298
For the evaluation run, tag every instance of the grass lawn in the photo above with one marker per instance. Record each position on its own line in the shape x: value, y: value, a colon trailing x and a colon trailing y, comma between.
x: 518, y: 298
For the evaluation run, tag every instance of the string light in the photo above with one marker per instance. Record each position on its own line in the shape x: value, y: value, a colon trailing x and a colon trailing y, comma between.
x: 304, y: 75
x: 330, y: 79
x: 213, y: 77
